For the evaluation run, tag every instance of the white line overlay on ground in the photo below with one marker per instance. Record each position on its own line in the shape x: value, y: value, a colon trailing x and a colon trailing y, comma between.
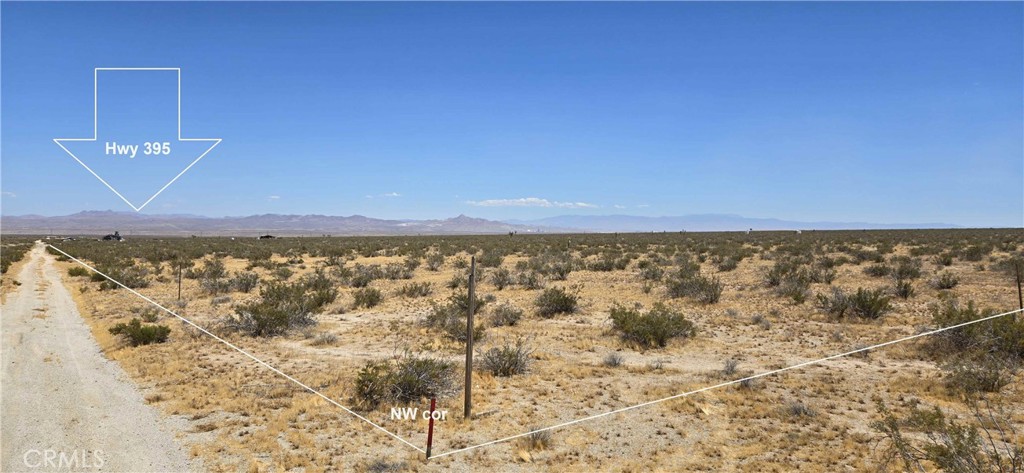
x: 564, y: 424
x: 253, y: 357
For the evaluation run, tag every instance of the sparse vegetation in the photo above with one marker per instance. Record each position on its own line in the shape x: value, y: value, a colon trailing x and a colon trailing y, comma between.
x: 136, y: 333
x: 408, y: 378
x: 653, y: 328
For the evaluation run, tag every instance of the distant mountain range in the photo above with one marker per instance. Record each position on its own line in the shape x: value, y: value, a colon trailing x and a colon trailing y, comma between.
x: 704, y: 223
x: 130, y: 223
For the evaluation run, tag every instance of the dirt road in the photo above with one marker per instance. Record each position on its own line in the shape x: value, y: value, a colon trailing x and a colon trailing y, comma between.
x: 64, y: 406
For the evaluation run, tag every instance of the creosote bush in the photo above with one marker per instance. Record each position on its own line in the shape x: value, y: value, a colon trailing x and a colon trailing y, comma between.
x: 366, y: 297
x: 557, y: 300
x: 135, y: 333
x: 865, y: 303
x: 450, y: 317
x: 508, y: 359
x: 283, y: 306
x: 408, y: 378
x: 416, y: 289
x: 506, y: 315
x: 653, y: 328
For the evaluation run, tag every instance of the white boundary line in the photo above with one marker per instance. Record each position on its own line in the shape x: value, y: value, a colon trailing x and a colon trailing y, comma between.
x: 727, y: 383
x: 95, y: 128
x: 564, y: 424
x: 254, y: 358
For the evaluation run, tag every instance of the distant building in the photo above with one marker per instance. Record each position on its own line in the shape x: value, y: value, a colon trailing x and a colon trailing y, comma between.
x: 267, y: 237
x: 115, y: 237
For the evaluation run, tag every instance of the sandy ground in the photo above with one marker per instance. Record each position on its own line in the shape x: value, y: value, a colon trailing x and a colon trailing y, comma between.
x: 64, y: 406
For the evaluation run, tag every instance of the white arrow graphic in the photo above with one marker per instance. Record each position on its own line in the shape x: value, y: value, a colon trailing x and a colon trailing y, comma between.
x: 65, y: 143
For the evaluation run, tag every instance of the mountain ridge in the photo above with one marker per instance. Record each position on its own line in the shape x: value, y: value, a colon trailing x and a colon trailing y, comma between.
x: 95, y: 222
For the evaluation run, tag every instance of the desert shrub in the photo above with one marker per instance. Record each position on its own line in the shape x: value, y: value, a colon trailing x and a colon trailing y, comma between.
x: 460, y: 262
x: 651, y: 272
x: 502, y: 278
x: 396, y: 271
x: 948, y: 444
x: 943, y: 259
x: 837, y: 304
x: 779, y: 271
x: 945, y: 280
x: 613, y: 360
x: 969, y: 375
x: 133, y: 277
x: 761, y: 321
x: 530, y: 280
x: 450, y: 317
x: 411, y: 262
x: 869, y: 304
x: 799, y: 409
x: 384, y: 465
x: 214, y: 286
x: 1003, y: 336
x: 730, y: 367
x: 435, y: 261
x: 407, y: 379
x: 975, y: 252
x: 490, y: 259
x: 244, y: 282
x: 537, y: 440
x: 282, y: 306
x: 413, y: 289
x: 906, y: 268
x: 506, y: 315
x: 508, y: 359
x: 135, y: 333
x: 653, y: 328
x: 76, y: 271
x: 366, y: 297
x: 902, y: 288
x: 324, y: 338
x: 557, y: 300
x: 877, y: 270
x: 795, y: 287
x: 728, y: 264
x: 706, y: 290
x: 283, y: 273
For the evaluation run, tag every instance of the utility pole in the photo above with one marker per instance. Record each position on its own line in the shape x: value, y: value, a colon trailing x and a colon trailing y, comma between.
x: 468, y: 411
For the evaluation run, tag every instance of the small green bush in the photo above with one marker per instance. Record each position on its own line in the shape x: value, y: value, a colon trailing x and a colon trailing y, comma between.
x: 244, y: 282
x: 413, y: 289
x: 76, y: 271
x: 651, y: 329
x: 507, y: 360
x: 135, y: 333
x: 837, y: 304
x: 869, y: 304
x: 506, y: 315
x: 366, y: 297
x: 406, y: 379
x: 502, y: 278
x: 557, y: 300
x: 945, y: 280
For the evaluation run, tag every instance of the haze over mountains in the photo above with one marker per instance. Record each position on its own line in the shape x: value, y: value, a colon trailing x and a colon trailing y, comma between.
x: 130, y: 223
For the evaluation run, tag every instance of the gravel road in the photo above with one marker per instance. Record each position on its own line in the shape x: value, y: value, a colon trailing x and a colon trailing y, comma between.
x: 63, y: 406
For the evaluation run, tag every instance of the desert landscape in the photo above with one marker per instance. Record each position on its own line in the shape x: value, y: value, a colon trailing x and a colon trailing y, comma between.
x: 568, y: 327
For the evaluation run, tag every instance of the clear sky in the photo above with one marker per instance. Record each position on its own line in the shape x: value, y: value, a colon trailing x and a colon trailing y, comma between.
x: 904, y: 112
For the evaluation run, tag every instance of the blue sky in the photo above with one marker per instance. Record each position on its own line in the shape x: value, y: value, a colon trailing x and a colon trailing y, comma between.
x: 906, y: 112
